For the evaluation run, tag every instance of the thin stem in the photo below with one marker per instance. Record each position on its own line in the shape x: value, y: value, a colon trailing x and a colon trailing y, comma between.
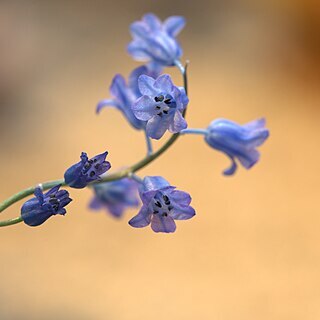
x: 183, y: 70
x: 149, y: 144
x: 194, y: 131
x: 115, y: 176
x: 10, y: 222
x: 135, y: 178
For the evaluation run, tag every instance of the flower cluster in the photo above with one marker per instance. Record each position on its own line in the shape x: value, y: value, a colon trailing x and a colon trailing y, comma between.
x: 150, y: 102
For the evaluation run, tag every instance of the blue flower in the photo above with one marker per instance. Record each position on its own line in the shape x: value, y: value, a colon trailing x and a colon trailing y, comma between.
x: 237, y: 141
x: 125, y: 94
x: 115, y: 196
x: 87, y: 170
x: 155, y: 41
x: 37, y: 210
x: 162, y: 204
x: 161, y: 105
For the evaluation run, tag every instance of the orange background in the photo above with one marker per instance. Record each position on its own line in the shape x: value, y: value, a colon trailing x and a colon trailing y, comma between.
x: 253, y: 249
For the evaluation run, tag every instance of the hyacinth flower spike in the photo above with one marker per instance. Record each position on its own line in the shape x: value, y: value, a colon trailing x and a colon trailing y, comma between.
x: 236, y: 141
x: 87, y: 170
x: 162, y: 204
x: 161, y: 105
x: 37, y: 210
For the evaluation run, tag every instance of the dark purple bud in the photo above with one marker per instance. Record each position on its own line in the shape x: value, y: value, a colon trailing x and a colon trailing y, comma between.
x: 87, y: 170
x: 37, y: 210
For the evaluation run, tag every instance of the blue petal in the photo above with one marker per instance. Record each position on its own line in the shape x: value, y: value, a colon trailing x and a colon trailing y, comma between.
x: 146, y: 85
x: 163, y: 224
x: 138, y: 51
x: 151, y: 183
x: 106, y: 103
x: 95, y: 204
x: 133, y: 79
x: 39, y: 194
x: 143, y: 108
x: 139, y: 29
x: 178, y: 123
x: 164, y: 83
x: 119, y: 89
x: 249, y: 158
x: 157, y: 126
x: 255, y: 124
x: 232, y: 169
x: 181, y: 197
x: 173, y: 25
x: 182, y: 212
x: 153, y: 22
x: 142, y: 219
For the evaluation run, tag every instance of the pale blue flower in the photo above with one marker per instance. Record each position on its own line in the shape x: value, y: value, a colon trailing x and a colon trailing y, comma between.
x: 155, y: 41
x: 162, y: 204
x: 115, y: 196
x: 161, y: 105
x: 237, y: 141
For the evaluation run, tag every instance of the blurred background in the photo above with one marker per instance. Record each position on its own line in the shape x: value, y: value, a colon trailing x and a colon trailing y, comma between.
x: 252, y: 251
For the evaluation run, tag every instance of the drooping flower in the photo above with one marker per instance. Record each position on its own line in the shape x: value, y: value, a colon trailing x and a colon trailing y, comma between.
x: 115, y: 196
x: 237, y: 141
x: 124, y: 94
x: 161, y: 105
x: 155, y: 41
x: 37, y: 210
x: 87, y: 170
x: 162, y: 204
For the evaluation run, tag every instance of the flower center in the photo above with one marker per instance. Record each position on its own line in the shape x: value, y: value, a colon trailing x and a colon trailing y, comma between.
x: 164, y: 104
x: 90, y: 167
x: 161, y: 204
x: 54, y: 201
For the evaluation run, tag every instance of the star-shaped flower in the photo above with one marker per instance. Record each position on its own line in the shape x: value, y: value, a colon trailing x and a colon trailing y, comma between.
x: 161, y: 105
x: 162, y: 204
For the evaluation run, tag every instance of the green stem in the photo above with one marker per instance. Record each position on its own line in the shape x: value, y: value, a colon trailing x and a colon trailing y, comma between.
x: 115, y: 176
x: 10, y: 222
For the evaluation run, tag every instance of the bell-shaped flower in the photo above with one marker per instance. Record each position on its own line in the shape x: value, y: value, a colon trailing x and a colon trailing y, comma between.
x: 115, y: 196
x: 237, y: 141
x: 154, y: 40
x: 124, y: 94
x: 161, y: 105
x: 87, y: 170
x: 37, y: 210
x: 162, y: 204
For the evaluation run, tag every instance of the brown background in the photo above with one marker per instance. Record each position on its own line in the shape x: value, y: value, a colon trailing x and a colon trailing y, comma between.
x: 252, y: 251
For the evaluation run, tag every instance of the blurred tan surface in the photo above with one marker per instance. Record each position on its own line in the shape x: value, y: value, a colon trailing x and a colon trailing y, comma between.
x: 253, y: 250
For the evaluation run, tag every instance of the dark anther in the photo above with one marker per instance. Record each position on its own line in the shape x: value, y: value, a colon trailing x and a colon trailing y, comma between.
x: 52, y: 195
x: 158, y: 204
x: 158, y: 107
x: 159, y: 114
x: 165, y: 111
x: 92, y: 173
x: 87, y: 165
x: 164, y: 214
x: 90, y: 161
x: 170, y: 208
x: 155, y: 212
x: 159, y: 98
x: 165, y: 198
x: 54, y: 202
x: 167, y: 101
x: 96, y: 166
x: 55, y: 207
x: 95, y: 160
